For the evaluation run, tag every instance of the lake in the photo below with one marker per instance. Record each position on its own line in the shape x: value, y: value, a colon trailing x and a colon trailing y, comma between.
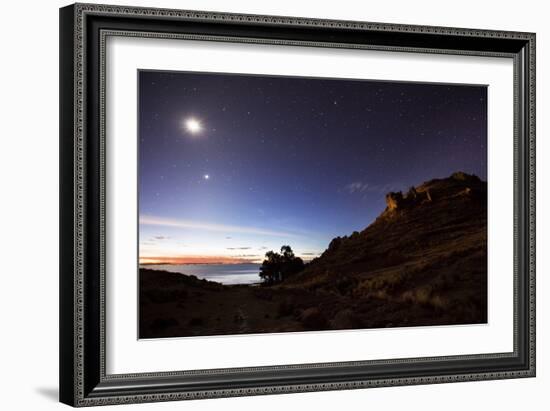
x: 220, y: 273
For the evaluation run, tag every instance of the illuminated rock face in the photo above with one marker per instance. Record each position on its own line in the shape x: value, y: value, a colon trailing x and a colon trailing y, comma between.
x: 394, y: 200
x: 398, y: 201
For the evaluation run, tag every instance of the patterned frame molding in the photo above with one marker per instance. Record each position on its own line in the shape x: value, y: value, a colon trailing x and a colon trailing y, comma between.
x: 83, y: 32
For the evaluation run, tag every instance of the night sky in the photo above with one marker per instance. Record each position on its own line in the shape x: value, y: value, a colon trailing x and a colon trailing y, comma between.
x: 231, y: 166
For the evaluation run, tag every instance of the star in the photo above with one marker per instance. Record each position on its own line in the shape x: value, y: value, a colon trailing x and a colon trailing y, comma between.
x: 206, y: 177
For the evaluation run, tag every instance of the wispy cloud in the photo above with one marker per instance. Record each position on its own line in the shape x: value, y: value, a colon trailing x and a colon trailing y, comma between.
x: 356, y: 187
x: 193, y: 260
x: 362, y: 187
x: 247, y: 256
x: 239, y: 248
x: 198, y: 225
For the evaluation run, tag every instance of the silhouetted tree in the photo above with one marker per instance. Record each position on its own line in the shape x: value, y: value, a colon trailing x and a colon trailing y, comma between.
x: 271, y: 267
x: 278, y: 267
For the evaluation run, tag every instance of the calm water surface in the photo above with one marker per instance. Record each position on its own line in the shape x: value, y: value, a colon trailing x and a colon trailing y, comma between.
x: 221, y: 273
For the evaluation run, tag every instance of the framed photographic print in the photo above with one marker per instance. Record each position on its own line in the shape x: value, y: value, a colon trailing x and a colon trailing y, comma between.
x: 261, y: 204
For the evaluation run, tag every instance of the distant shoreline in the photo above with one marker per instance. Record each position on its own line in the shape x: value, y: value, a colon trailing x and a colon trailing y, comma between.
x: 240, y: 263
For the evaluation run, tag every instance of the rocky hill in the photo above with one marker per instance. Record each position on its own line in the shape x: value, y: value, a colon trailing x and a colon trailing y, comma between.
x: 429, y: 247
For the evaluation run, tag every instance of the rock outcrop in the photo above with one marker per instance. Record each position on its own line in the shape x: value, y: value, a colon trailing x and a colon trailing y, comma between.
x: 394, y: 200
x: 458, y: 183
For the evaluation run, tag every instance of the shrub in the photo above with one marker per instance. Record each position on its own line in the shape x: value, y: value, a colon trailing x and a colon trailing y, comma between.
x: 439, y: 302
x: 423, y: 294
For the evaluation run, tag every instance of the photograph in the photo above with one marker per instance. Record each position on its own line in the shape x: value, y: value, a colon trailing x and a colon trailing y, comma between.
x: 271, y: 204
x: 260, y: 203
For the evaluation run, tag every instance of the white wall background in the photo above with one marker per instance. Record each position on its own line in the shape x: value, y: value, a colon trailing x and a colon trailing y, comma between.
x: 29, y: 204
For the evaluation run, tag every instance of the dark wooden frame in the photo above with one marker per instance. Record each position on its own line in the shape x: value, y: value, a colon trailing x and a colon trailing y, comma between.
x: 83, y: 29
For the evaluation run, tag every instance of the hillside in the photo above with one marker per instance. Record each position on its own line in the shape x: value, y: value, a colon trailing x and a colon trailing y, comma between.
x: 423, y: 261
x: 425, y: 241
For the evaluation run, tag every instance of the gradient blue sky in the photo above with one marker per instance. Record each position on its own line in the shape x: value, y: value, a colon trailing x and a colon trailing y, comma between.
x: 283, y: 160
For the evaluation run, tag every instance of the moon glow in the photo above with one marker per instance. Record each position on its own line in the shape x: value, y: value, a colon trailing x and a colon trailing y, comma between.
x: 192, y: 125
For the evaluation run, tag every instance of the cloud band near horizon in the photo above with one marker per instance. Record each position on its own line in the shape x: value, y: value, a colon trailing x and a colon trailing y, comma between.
x: 198, y: 225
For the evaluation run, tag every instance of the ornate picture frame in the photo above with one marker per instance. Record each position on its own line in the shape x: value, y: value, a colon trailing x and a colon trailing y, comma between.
x: 84, y: 30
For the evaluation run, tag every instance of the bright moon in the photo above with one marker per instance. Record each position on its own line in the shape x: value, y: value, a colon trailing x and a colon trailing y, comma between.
x: 193, y: 125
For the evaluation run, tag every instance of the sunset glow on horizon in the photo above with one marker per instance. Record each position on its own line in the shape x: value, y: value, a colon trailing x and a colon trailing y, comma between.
x: 194, y: 260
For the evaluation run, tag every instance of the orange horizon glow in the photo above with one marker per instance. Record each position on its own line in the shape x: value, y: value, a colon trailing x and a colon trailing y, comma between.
x: 194, y: 260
